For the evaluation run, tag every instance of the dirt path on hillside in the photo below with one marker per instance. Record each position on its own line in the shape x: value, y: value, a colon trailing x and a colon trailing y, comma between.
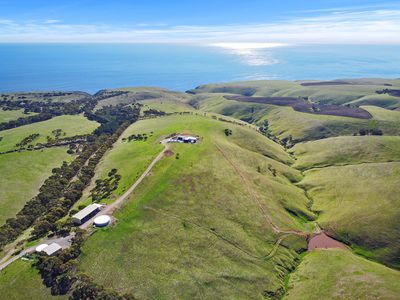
x: 109, y: 209
x: 256, y: 199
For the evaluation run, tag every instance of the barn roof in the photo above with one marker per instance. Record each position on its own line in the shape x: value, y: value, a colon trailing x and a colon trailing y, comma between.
x: 86, y: 211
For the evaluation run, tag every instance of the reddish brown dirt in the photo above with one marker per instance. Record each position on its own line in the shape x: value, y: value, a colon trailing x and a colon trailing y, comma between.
x: 322, y: 241
x: 168, y: 153
x: 301, y: 105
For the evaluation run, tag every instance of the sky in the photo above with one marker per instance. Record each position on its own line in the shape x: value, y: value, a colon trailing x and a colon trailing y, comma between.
x: 240, y: 24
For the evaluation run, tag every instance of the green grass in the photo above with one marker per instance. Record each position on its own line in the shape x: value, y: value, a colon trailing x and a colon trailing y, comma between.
x: 285, y: 122
x: 381, y: 100
x: 154, y: 95
x: 359, y: 205
x: 22, y: 174
x: 193, y: 228
x: 8, y: 115
x: 338, y: 274
x: 382, y: 114
x: 362, y: 90
x: 165, y: 105
x: 21, y: 281
x: 346, y: 150
x: 70, y: 124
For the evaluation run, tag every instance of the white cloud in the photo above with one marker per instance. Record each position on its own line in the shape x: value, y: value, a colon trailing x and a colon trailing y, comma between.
x: 378, y: 26
x: 51, y: 21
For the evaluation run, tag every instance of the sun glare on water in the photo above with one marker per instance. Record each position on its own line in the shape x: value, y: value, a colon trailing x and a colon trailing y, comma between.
x: 252, y: 54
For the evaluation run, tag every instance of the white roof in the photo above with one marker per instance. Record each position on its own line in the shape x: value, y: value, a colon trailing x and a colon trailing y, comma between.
x: 41, y: 247
x: 86, y: 211
x: 102, y: 220
x: 187, y: 137
x: 52, y: 248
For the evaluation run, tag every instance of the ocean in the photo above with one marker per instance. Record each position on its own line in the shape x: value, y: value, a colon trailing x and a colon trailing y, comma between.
x: 91, y: 67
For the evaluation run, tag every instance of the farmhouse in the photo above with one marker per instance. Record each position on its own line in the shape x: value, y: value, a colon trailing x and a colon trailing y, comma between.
x: 86, y: 213
x: 183, y: 139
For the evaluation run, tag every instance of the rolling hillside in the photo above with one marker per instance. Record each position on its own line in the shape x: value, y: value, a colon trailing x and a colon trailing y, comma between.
x: 228, y: 217
x: 211, y: 197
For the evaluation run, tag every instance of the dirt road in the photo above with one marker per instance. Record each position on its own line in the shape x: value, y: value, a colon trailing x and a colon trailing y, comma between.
x: 64, y: 242
x: 109, y: 209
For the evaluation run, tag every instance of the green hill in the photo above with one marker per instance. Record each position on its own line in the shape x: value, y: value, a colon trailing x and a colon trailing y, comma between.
x: 194, y: 227
x: 346, y: 150
x: 359, y: 205
x: 338, y: 274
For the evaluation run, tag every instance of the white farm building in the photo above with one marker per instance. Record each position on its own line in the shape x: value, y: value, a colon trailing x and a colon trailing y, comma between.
x: 86, y: 214
x: 51, y: 249
x: 183, y: 139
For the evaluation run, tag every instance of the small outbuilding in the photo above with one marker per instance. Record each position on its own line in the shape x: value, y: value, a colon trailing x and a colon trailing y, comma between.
x: 51, y: 249
x: 86, y: 214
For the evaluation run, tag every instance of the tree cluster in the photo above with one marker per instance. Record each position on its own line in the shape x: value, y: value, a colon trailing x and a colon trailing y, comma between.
x: 104, y: 187
x: 227, y: 132
x: 373, y: 131
x: 136, y: 137
x: 27, y: 140
x: 112, y: 117
x: 153, y: 113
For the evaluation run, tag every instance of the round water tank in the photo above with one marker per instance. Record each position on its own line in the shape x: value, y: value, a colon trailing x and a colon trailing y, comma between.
x: 102, y: 221
x: 41, y: 247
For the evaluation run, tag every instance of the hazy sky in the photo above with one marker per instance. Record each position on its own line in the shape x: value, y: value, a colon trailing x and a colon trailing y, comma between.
x: 201, y: 21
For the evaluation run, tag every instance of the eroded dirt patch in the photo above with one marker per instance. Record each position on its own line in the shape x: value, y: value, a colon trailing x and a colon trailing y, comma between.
x: 322, y: 241
x: 168, y: 153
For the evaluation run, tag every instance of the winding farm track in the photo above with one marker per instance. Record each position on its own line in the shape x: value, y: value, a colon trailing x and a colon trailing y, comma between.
x: 255, y: 198
x: 109, y: 209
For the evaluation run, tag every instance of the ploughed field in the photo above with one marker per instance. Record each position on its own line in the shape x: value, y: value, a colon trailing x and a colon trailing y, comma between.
x: 302, y: 105
x: 239, y: 214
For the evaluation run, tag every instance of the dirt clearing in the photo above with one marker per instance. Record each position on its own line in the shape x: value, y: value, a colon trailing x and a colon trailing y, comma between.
x: 322, y: 241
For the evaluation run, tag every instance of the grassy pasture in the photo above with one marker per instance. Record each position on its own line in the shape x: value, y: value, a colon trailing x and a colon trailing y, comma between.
x: 165, y: 105
x: 8, y: 115
x: 381, y: 100
x: 346, y: 150
x: 382, y: 114
x: 322, y: 93
x: 193, y: 228
x: 359, y: 204
x: 338, y: 274
x: 139, y: 94
x: 22, y: 173
x: 21, y: 281
x: 285, y: 122
x: 70, y: 124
